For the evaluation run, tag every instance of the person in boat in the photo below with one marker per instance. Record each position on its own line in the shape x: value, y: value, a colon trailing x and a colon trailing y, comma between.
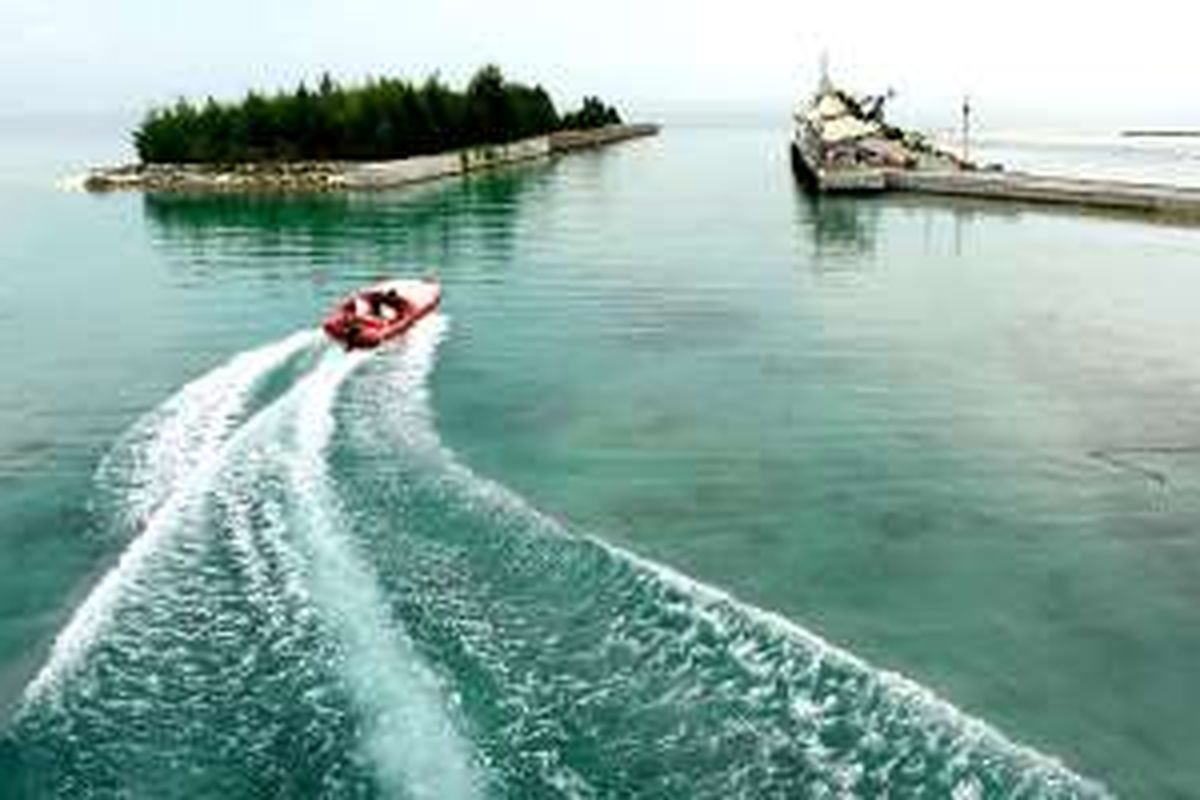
x: 394, y: 306
x: 376, y: 304
x: 387, y: 305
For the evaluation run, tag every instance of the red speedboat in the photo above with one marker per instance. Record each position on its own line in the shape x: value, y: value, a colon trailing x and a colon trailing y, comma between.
x: 377, y: 313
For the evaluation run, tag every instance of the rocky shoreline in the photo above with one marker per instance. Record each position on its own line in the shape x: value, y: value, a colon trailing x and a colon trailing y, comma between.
x: 320, y: 176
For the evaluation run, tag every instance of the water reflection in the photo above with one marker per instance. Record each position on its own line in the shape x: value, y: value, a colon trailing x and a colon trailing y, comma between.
x: 843, y: 229
x: 274, y: 234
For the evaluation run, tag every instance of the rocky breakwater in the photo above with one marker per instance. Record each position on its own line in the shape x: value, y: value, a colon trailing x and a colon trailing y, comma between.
x: 566, y: 141
x: 321, y: 176
x: 283, y: 176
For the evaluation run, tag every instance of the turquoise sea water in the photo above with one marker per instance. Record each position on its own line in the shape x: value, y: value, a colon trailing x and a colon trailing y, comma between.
x: 696, y: 488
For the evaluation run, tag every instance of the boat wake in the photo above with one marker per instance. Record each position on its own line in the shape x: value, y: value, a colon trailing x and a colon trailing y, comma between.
x: 320, y: 598
x: 240, y: 610
x: 158, y: 471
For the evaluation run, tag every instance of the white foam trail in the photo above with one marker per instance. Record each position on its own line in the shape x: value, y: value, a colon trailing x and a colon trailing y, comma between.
x: 185, y: 442
x: 412, y: 421
x: 707, y: 603
x: 411, y: 734
x: 257, y: 535
x: 148, y: 461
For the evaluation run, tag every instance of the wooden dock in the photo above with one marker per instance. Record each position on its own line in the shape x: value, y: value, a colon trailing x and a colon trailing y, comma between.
x: 1149, y: 198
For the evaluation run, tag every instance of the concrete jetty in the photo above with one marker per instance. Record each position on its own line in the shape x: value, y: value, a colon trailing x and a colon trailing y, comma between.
x: 310, y: 176
x: 1150, y: 198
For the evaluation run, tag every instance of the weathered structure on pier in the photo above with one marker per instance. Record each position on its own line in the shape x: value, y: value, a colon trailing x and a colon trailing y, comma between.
x: 842, y: 143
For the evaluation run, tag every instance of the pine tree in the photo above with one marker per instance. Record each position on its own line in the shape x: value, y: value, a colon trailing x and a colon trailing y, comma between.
x: 384, y: 118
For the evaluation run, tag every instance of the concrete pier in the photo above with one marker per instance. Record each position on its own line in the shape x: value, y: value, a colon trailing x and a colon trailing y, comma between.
x: 1157, y: 199
x: 566, y: 141
x: 1146, y: 198
x: 316, y: 176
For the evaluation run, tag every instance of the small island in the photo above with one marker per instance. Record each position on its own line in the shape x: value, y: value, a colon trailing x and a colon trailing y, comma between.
x: 387, y: 132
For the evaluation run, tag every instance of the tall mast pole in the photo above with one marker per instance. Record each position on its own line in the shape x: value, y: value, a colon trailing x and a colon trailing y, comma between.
x: 966, y: 128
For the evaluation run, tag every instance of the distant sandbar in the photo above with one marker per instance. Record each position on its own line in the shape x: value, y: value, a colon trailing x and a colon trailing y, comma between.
x: 1163, y: 132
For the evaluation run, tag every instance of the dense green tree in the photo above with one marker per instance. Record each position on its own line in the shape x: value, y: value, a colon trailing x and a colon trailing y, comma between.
x: 593, y: 114
x: 490, y: 116
x: 383, y: 118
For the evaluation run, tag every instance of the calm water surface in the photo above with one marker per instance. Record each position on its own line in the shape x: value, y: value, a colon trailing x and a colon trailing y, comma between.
x: 696, y: 488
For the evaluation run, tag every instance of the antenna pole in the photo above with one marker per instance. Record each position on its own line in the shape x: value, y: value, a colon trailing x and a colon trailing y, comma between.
x: 966, y: 128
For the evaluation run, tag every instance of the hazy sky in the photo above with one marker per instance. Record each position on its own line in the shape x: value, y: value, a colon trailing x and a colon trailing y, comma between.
x: 1023, y: 61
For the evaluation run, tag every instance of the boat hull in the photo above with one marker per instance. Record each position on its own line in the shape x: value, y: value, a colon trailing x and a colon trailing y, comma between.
x: 381, y: 312
x: 803, y: 171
